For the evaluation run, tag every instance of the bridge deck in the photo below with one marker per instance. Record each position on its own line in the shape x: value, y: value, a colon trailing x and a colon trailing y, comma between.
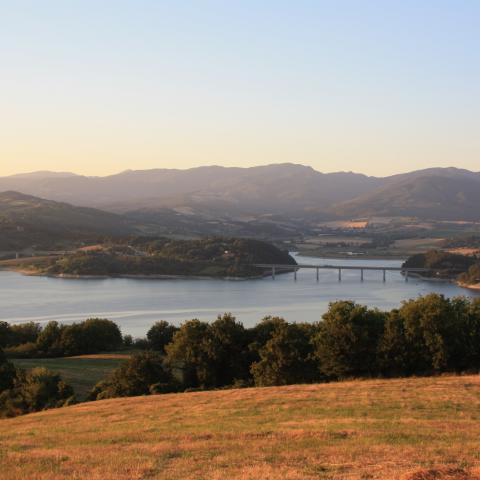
x: 340, y: 267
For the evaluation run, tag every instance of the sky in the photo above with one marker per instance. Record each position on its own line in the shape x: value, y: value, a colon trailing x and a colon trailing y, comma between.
x: 378, y: 87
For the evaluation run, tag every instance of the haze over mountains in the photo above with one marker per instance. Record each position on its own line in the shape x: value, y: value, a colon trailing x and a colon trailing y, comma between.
x: 245, y: 194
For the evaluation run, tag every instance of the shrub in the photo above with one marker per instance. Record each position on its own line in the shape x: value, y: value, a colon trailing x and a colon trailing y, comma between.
x: 140, y: 375
x: 35, y: 390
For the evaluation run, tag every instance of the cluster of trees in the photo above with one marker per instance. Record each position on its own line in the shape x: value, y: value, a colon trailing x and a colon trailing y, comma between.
x: 428, y: 335
x: 56, y: 340
x: 208, y: 257
x: 30, y: 391
x: 472, y: 275
x: 441, y: 263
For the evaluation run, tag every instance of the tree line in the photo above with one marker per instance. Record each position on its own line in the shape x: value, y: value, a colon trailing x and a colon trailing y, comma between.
x: 31, y: 340
x: 425, y: 336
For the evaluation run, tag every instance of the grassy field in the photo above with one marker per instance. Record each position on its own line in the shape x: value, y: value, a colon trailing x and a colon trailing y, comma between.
x: 82, y: 372
x: 415, y: 429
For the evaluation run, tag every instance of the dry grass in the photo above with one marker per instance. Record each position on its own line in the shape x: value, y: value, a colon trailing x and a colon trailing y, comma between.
x: 416, y: 429
x: 467, y: 251
x: 103, y: 356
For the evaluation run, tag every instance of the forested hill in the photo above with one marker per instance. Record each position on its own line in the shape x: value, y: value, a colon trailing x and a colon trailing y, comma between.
x: 213, y: 257
x: 446, y: 265
x: 27, y: 221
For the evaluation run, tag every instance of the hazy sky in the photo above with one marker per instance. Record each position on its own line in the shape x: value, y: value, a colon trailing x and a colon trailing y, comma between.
x: 97, y: 87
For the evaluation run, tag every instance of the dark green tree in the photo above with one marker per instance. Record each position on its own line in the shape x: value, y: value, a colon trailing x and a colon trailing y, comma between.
x: 48, y: 341
x: 5, y: 334
x: 160, y: 335
x: 187, y: 352
x: 287, y: 357
x: 7, y: 373
x: 347, y: 340
x: 226, y: 347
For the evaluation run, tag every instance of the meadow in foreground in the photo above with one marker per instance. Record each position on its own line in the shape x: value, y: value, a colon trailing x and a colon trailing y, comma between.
x: 416, y: 429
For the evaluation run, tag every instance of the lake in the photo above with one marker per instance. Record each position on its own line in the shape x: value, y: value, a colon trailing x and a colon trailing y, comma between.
x: 136, y: 304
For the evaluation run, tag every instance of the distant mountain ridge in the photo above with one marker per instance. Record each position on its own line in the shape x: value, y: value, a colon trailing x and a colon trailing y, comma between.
x: 286, y: 190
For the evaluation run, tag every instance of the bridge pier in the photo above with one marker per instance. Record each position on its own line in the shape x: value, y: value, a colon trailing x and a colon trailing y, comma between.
x: 361, y: 274
x: 273, y: 272
x: 339, y: 274
x: 384, y: 275
x: 406, y: 275
x: 295, y: 274
x: 318, y: 277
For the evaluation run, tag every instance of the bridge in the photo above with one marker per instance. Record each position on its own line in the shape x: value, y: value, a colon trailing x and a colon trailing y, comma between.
x: 283, y: 268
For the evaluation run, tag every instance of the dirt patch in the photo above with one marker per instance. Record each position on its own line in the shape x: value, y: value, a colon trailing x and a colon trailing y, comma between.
x: 443, y: 474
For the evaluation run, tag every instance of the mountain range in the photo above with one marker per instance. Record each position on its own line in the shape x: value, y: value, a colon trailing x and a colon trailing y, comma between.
x: 265, y: 197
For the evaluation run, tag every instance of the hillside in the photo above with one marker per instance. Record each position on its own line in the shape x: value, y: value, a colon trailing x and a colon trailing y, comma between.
x: 28, y: 221
x: 433, y: 196
x: 415, y: 429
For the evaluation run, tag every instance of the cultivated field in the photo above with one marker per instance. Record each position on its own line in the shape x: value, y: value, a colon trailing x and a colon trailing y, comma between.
x: 416, y: 429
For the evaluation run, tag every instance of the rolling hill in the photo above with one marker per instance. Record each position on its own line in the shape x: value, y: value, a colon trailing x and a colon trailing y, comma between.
x: 407, y: 429
x: 27, y: 221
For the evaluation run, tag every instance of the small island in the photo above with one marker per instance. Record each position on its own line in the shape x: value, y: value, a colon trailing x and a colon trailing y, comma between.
x: 444, y: 265
x: 166, y: 258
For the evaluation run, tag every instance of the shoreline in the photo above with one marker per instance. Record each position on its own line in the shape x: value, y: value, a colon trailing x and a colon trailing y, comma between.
x: 133, y: 276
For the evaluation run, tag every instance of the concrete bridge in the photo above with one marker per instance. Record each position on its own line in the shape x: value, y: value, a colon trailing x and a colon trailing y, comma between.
x: 279, y: 268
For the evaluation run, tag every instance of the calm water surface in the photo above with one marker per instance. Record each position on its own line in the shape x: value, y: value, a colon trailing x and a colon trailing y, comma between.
x: 136, y: 304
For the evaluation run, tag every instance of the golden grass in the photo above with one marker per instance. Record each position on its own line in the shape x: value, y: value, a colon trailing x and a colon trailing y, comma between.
x: 103, y: 356
x: 415, y: 429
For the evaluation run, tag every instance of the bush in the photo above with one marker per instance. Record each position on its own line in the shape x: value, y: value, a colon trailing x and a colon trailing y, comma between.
x: 142, y: 374
x: 35, y: 390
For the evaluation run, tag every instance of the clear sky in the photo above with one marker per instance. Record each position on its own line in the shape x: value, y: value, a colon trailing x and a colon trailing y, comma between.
x: 379, y: 87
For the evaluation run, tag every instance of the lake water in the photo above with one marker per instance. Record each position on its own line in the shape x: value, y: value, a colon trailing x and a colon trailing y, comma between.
x: 136, y: 304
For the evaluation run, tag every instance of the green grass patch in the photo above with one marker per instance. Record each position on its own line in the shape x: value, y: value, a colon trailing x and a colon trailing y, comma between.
x: 81, y: 373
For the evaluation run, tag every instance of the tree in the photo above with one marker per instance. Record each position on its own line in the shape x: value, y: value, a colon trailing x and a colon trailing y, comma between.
x: 431, y: 325
x: 48, y: 341
x: 287, y: 357
x: 187, y: 352
x: 101, y: 335
x: 394, y: 354
x: 160, y: 335
x: 24, y: 333
x: 226, y: 348
x: 73, y: 340
x: 347, y: 340
x: 7, y: 373
x: 140, y: 375
x: 5, y: 334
